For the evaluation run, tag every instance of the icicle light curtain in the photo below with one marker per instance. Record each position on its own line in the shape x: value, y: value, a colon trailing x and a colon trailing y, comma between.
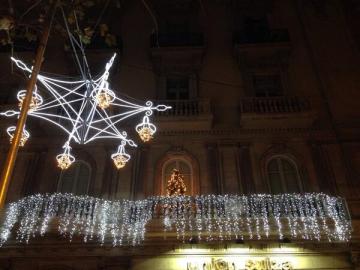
x: 312, y: 216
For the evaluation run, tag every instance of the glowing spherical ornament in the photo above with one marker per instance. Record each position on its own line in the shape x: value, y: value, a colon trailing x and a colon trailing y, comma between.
x: 35, y: 102
x: 104, y: 96
x: 145, y: 129
x: 120, y: 158
x: 24, y: 135
x: 65, y: 159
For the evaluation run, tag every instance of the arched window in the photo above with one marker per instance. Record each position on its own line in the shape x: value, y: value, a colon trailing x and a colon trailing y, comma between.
x: 283, y: 176
x: 184, y: 168
x: 76, y: 179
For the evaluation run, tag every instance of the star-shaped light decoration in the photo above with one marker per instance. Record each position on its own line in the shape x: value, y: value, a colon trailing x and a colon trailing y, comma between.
x: 80, y: 109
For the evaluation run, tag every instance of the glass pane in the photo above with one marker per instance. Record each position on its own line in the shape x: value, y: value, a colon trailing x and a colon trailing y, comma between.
x: 184, y: 93
x: 292, y: 183
x: 67, y: 180
x: 66, y: 185
x: 177, y: 87
x: 275, y: 183
x: 273, y: 166
x: 287, y: 165
x: 267, y: 85
x: 171, y: 94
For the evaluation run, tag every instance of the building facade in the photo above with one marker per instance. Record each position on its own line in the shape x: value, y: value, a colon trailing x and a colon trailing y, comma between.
x: 264, y: 100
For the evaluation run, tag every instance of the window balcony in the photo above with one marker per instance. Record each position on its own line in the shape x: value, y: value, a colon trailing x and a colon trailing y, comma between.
x: 185, y: 114
x: 276, y: 112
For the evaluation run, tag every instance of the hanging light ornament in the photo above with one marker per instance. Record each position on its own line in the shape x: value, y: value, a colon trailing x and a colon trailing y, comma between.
x: 104, y: 96
x: 78, y: 108
x: 65, y: 159
x: 36, y: 99
x: 146, y: 130
x: 24, y: 135
x: 120, y: 158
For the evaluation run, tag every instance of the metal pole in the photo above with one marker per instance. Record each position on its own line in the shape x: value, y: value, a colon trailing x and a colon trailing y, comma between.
x: 11, y: 157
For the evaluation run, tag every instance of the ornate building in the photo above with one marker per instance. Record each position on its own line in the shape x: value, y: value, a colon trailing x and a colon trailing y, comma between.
x: 264, y: 98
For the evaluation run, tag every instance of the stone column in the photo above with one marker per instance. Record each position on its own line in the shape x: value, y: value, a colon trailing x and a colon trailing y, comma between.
x: 325, y: 176
x: 245, y: 170
x: 229, y: 168
x: 138, y: 173
x: 214, y: 168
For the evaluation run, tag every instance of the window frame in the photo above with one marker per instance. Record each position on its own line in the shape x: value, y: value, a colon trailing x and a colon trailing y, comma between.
x: 278, y: 159
x: 76, y: 177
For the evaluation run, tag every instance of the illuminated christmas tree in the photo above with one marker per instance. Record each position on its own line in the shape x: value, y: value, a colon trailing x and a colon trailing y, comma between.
x: 176, y: 185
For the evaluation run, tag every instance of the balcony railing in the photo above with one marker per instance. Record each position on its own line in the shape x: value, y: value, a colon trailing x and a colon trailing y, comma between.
x: 312, y: 216
x: 185, y: 108
x: 176, y: 39
x: 269, y: 36
x: 271, y: 105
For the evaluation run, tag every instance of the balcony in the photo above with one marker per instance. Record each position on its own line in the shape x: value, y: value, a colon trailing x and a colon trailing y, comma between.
x: 275, y: 112
x: 296, y: 217
x: 185, y: 115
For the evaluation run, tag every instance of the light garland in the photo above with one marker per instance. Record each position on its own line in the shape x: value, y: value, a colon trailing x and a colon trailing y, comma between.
x: 311, y: 216
x: 79, y: 109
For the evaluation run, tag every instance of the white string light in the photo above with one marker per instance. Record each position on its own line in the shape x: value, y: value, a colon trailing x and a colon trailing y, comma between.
x: 79, y: 109
x: 311, y: 216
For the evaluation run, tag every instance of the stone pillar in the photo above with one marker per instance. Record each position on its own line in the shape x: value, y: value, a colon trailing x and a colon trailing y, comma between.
x: 138, y: 173
x: 325, y: 176
x: 245, y: 170
x: 229, y: 168
x: 214, y: 168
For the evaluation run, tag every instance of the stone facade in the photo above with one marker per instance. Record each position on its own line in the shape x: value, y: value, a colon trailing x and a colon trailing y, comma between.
x: 286, y: 89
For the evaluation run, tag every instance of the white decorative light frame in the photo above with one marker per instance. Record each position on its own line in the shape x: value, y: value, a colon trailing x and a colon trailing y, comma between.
x: 79, y: 108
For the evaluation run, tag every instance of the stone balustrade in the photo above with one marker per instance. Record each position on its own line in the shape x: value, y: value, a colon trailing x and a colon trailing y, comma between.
x: 270, y: 105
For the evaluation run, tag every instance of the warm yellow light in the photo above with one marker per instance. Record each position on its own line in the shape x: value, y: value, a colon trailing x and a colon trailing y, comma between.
x: 35, y: 102
x: 23, y: 140
x: 64, y: 161
x: 24, y: 135
x: 145, y: 134
x: 103, y: 99
x: 120, y: 161
x: 145, y: 129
